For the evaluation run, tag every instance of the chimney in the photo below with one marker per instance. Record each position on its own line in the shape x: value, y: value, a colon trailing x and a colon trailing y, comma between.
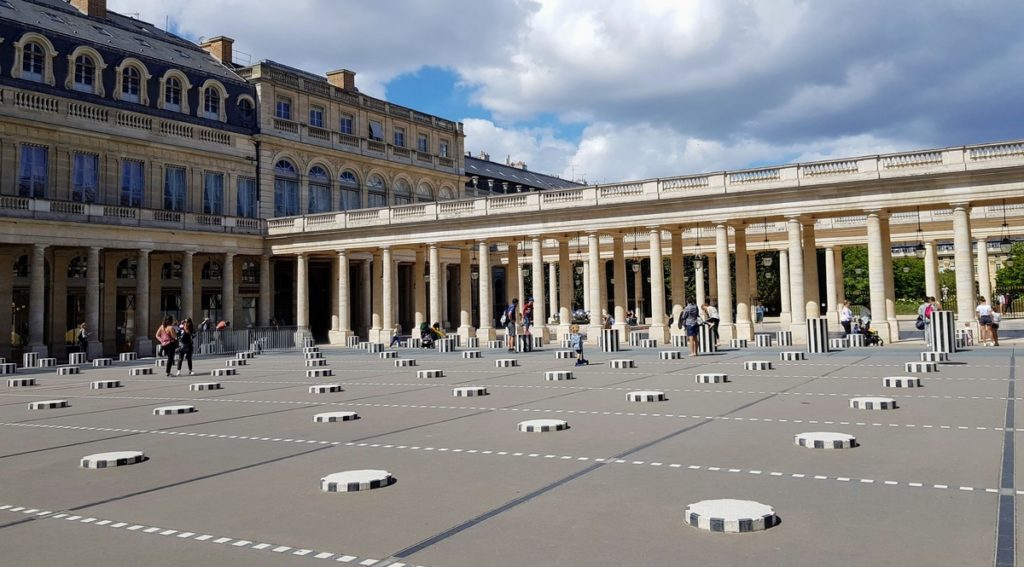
x: 92, y: 8
x: 220, y: 48
x: 343, y: 79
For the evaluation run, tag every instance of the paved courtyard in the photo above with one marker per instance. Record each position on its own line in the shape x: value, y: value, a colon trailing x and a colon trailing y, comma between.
x: 238, y: 481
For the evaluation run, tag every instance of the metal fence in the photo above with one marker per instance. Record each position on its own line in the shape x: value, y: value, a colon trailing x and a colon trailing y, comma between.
x: 254, y: 338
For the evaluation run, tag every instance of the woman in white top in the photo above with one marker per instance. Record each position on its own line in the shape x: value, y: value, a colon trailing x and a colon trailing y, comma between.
x: 984, y: 312
x: 846, y: 318
x: 712, y: 319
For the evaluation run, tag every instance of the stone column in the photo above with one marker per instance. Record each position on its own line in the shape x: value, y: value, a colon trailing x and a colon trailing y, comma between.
x: 744, y: 327
x: 344, y: 309
x: 831, y: 295
x: 964, y: 258
x: 811, y: 295
x: 876, y: 274
x: 263, y: 306
x: 840, y: 284
x: 435, y: 284
x: 366, y: 278
x: 486, y: 331
x: 752, y: 290
x: 565, y: 288
x: 594, y: 259
x: 798, y: 307
x: 712, y: 275
x: 512, y: 278
x: 602, y: 287
x: 378, y: 298
x: 726, y: 329
x: 620, y: 287
x: 658, y: 328
x: 188, y: 285
x: 553, y: 288
x: 931, y: 270
x: 228, y: 287
x: 37, y: 302
x: 302, y: 291
x: 588, y: 301
x: 387, y: 292
x: 92, y: 302
x: 984, y: 278
x: 638, y: 286
x: 890, y: 284
x: 698, y: 282
x: 143, y: 334
x: 6, y: 309
x: 539, y: 312
x: 419, y: 296
x: 676, y: 274
x: 785, y: 293
x: 444, y: 288
x: 466, y: 329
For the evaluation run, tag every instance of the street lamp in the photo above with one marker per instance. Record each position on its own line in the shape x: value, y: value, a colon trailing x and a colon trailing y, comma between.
x: 919, y: 250
x: 766, y: 260
x: 1005, y: 244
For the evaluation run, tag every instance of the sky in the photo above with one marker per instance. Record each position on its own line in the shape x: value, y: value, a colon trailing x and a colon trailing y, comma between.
x: 603, y: 90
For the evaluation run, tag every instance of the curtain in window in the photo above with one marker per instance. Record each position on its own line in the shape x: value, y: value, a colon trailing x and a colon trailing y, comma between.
x: 174, y: 189
x: 32, y: 172
x: 377, y: 196
x: 247, y: 197
x: 403, y: 193
x: 376, y: 131
x: 85, y: 178
x: 286, y: 197
x: 132, y: 181
x: 213, y: 194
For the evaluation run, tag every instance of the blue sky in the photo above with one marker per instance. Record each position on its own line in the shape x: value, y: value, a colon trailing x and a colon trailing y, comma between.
x: 613, y: 90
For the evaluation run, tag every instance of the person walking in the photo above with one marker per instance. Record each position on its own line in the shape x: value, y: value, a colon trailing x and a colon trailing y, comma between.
x: 83, y: 338
x: 689, y: 319
x: 186, y: 343
x: 167, y: 336
x: 508, y: 320
x: 846, y: 318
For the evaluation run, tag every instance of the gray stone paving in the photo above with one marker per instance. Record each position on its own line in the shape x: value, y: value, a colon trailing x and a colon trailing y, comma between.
x: 237, y: 482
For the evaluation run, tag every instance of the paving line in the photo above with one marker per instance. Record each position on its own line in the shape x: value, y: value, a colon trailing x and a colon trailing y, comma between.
x: 194, y: 536
x: 523, y: 454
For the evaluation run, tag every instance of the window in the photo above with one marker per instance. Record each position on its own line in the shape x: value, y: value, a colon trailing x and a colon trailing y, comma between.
x: 127, y: 269
x: 400, y: 137
x: 250, y: 272
x: 443, y: 150
x: 446, y: 194
x: 131, y: 85
x: 350, y: 197
x: 85, y: 177
x: 319, y: 190
x: 175, y: 188
x: 211, y: 271
x: 284, y: 108
x: 78, y: 267
x: 247, y: 197
x: 316, y: 116
x: 172, y: 94
x: 171, y: 271
x: 211, y: 103
x: 132, y: 182
x: 377, y: 192
x: 424, y: 192
x: 245, y: 107
x: 33, y: 62
x: 32, y: 171
x: 85, y: 74
x: 345, y: 126
x: 376, y: 131
x: 403, y: 193
x: 423, y: 143
x: 286, y: 189
x: 213, y: 194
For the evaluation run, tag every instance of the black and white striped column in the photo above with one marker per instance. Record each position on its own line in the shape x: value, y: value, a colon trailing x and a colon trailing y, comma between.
x: 817, y: 334
x: 943, y: 330
x: 609, y: 340
x: 524, y: 343
x: 705, y: 340
x: 784, y: 338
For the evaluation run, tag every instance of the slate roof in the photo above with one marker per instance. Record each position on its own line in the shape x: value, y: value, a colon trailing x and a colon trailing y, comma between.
x: 501, y: 172
x: 117, y: 31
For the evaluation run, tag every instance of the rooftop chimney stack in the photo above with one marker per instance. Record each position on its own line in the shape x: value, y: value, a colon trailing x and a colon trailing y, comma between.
x: 92, y: 8
x: 343, y: 79
x: 220, y: 48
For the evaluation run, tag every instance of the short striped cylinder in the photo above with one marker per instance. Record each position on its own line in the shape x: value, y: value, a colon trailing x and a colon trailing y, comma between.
x: 471, y: 354
x: 825, y: 440
x: 738, y: 343
x: 646, y: 396
x: 315, y: 362
x: 388, y: 354
x: 524, y: 343
x: 114, y: 459
x: 538, y: 342
x: 352, y: 341
x: 66, y: 370
x: 495, y: 344
x: 414, y: 343
x: 469, y: 391
x: 223, y: 372
x: 856, y: 340
x: 730, y: 516
x: 48, y: 404
x: 817, y: 334
x: 934, y: 357
x: 362, y: 345
x: 901, y: 382
x: 506, y: 363
x: 430, y: 373
x: 609, y: 341
x: 784, y: 338
x: 680, y: 341
x: 308, y: 341
x: 20, y: 382
x: 554, y: 375
x: 670, y: 355
x: 542, y: 425
x: 757, y: 365
x: 102, y: 362
x: 873, y: 403
x: 325, y: 389
x: 335, y: 416
x: 30, y: 359
x: 309, y: 349
x: 402, y: 362
x: 234, y: 362
x: 705, y: 340
x: 105, y: 384
x: 621, y: 363
x: 564, y: 343
x: 445, y: 345
x: 319, y: 373
x: 763, y: 340
x: 355, y: 481
x: 943, y: 329
x: 76, y: 358
x: 711, y: 378
x: 565, y: 354
x: 921, y: 367
x: 202, y: 386
x: 174, y: 410
x: 648, y: 343
x: 374, y: 348
x: 161, y: 362
x: 312, y: 355
x: 142, y: 371
x: 838, y: 344
x: 246, y: 355
x: 472, y: 342
x: 790, y: 355
x: 47, y: 362
x: 8, y: 368
x: 128, y: 356
x: 636, y: 336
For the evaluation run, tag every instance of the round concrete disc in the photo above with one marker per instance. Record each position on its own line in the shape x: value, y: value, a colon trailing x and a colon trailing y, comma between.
x: 354, y: 481
x: 542, y: 425
x: 48, y: 404
x: 732, y: 516
x: 873, y: 403
x: 115, y: 459
x: 469, y: 391
x: 646, y: 396
x: 901, y: 382
x: 174, y: 410
x: 333, y: 416
x: 825, y: 440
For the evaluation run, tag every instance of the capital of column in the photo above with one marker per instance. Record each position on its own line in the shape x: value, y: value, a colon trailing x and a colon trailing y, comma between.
x: 882, y: 214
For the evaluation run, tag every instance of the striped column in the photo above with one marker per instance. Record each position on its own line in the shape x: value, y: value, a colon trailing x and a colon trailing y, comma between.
x: 943, y: 330
x: 705, y: 341
x: 609, y: 340
x: 817, y: 334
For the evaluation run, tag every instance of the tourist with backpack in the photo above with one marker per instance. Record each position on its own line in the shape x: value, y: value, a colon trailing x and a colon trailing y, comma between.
x: 690, y: 320
x: 508, y: 320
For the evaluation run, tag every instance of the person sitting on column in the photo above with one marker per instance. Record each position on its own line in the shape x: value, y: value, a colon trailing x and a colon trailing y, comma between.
x: 711, y: 317
x: 689, y: 319
x: 846, y: 318
x: 508, y: 320
x: 527, y: 315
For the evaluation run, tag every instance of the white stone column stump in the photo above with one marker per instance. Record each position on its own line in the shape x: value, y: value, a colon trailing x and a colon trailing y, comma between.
x: 20, y: 382
x: 757, y: 365
x: 622, y: 363
x: 67, y: 370
x: 46, y: 362
x: 873, y: 403
x: 353, y: 341
x: 355, y: 481
x: 140, y: 371
x: 471, y: 354
x: 76, y: 358
x: 901, y: 382
x: 315, y: 362
x: 224, y: 372
x: 524, y: 343
x: 430, y: 373
x: 203, y: 386
x: 763, y: 340
x: 943, y: 329
x: 648, y: 343
x: 784, y: 338
x: 106, y: 384
x: 646, y: 396
x: 636, y: 336
x: 325, y: 389
x: 234, y: 362
x: 609, y: 340
x: 388, y: 354
x: 102, y: 362
x: 319, y: 373
x: 542, y: 425
x: 244, y: 355
x: 856, y: 340
x: 825, y: 440
x: 792, y: 355
x: 817, y: 335
x: 30, y: 360
x: 414, y: 343
x: 730, y: 516
x: 113, y: 459
x: 670, y: 355
x: 469, y: 391
x: 48, y: 404
x: 838, y: 344
x: 738, y: 343
x: 705, y: 340
x: 128, y: 356
x: 8, y: 368
x: 711, y: 378
x: 335, y: 416
x: 506, y: 363
x: 403, y: 362
x: 495, y: 344
x: 934, y: 357
x: 921, y: 367
x: 174, y: 410
x: 472, y: 342
x: 374, y: 348
x: 564, y: 354
x: 309, y: 355
x: 445, y: 345
x: 555, y: 375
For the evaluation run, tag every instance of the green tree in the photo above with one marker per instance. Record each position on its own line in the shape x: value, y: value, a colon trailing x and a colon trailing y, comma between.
x: 1011, y: 275
x: 855, y: 275
x: 908, y: 278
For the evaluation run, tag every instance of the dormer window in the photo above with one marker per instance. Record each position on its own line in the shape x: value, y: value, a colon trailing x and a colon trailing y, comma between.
x: 131, y: 85
x: 172, y: 94
x: 33, y: 62
x: 85, y: 74
x: 211, y: 103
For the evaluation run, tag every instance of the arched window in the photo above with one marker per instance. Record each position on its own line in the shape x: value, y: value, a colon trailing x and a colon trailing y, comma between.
x: 403, y: 193
x: 250, y: 272
x: 171, y: 271
x: 350, y: 197
x: 319, y: 190
x: 127, y: 269
x: 211, y: 271
x: 85, y: 74
x: 424, y: 193
x: 377, y: 192
x: 446, y: 194
x: 286, y: 189
x: 78, y: 267
x: 211, y: 103
x: 246, y: 109
x: 33, y: 62
x: 172, y: 94
x: 21, y: 268
x: 131, y: 85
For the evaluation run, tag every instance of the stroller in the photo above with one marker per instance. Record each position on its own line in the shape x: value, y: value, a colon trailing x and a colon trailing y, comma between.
x: 863, y: 327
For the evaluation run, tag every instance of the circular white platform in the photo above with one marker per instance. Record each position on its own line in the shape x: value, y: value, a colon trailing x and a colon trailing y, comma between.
x: 711, y: 378
x: 354, y: 481
x: 114, y: 459
x: 555, y: 375
x: 646, y: 396
x: 873, y: 403
x: 48, y: 404
x: 469, y: 391
x: 825, y: 440
x: 174, y: 410
x: 333, y: 416
x: 325, y: 389
x: 901, y: 382
x: 542, y: 425
x: 732, y: 516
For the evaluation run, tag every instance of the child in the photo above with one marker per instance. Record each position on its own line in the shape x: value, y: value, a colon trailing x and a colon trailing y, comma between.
x: 968, y: 335
x: 576, y: 343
